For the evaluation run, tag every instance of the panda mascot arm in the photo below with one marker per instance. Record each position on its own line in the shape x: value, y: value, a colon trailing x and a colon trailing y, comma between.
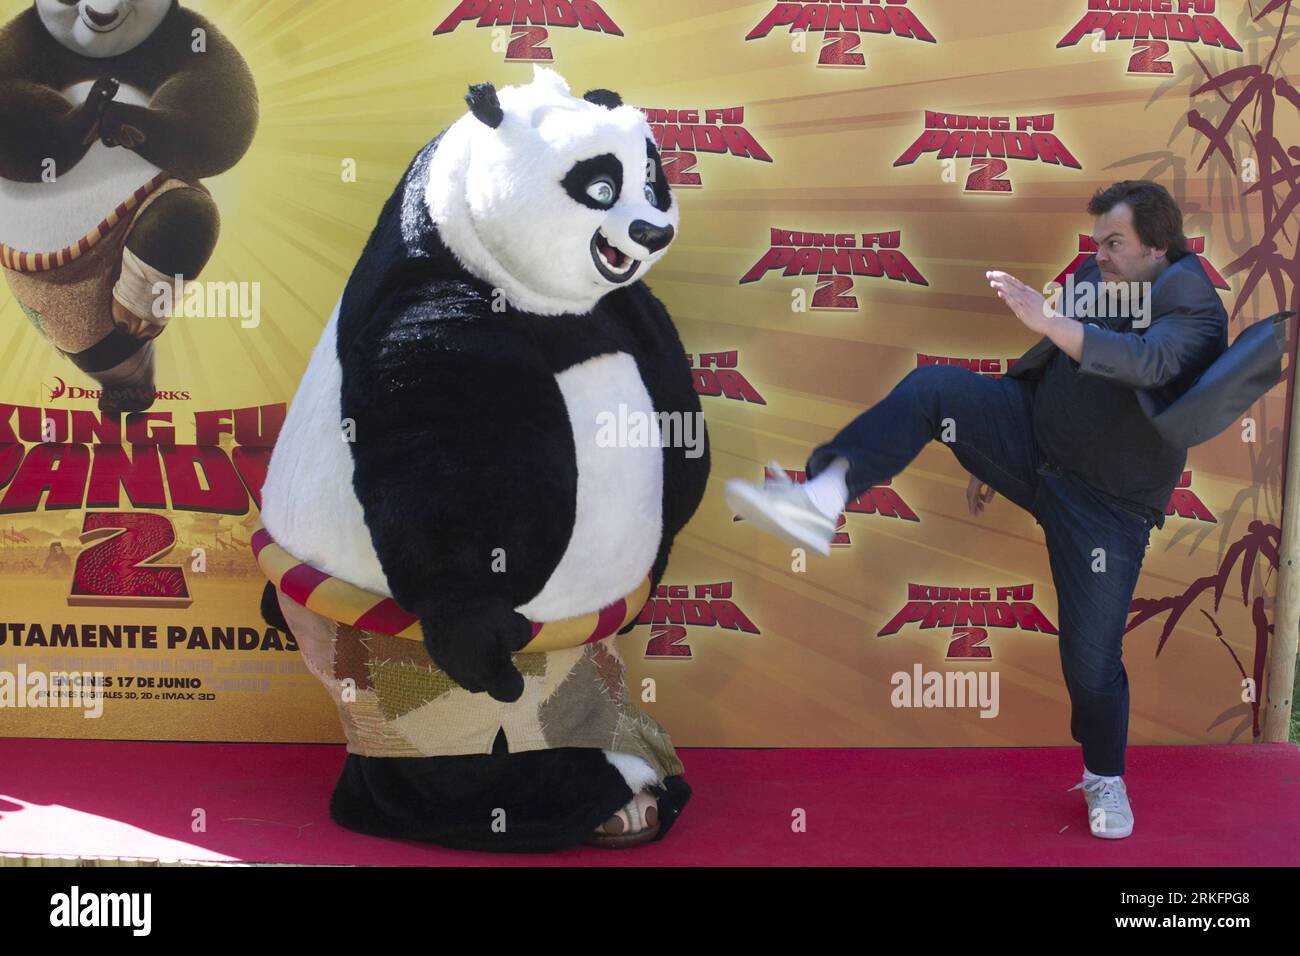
x: 466, y: 411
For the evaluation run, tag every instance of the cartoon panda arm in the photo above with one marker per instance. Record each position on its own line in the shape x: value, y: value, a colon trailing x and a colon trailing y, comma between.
x: 200, y: 120
x: 39, y: 123
x: 453, y: 412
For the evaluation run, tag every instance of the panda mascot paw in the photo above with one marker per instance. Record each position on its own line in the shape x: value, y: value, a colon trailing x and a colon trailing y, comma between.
x: 475, y: 649
x: 453, y: 526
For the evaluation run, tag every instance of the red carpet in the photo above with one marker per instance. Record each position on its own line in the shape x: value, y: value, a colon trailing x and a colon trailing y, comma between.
x: 1202, y: 805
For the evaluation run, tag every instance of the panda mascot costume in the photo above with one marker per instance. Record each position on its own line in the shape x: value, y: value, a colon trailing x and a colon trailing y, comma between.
x: 449, y: 540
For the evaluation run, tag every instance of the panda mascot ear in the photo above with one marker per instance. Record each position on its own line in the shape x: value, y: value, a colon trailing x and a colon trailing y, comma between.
x: 606, y: 98
x: 483, y: 103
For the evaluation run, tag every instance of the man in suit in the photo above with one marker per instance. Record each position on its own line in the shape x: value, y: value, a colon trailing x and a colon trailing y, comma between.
x: 1063, y: 436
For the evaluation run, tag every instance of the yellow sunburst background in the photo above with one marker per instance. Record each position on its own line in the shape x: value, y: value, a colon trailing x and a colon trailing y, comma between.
x: 370, y: 83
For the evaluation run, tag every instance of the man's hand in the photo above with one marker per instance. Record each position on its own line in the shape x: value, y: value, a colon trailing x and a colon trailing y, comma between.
x: 1030, y: 307
x: 977, y: 495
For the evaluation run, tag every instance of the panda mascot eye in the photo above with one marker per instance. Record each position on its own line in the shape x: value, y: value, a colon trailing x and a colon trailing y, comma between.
x: 650, y: 195
x: 601, y: 190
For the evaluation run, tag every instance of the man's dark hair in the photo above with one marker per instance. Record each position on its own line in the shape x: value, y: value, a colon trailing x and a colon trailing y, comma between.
x: 1156, y: 217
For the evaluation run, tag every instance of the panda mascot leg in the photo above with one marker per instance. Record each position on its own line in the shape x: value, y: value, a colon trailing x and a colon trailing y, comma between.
x: 454, y: 527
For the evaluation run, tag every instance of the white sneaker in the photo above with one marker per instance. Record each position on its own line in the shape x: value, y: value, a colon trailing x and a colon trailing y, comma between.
x: 1109, y: 814
x: 782, y: 507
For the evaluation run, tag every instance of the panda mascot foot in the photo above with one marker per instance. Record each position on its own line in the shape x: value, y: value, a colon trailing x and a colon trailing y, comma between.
x: 636, y: 823
x: 452, y: 532
x: 547, y: 800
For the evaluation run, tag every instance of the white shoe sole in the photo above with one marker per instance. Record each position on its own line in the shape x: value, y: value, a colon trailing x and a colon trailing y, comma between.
x: 751, y: 504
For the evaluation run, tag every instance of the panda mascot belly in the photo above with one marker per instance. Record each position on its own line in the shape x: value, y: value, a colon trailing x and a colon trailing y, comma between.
x: 452, y: 524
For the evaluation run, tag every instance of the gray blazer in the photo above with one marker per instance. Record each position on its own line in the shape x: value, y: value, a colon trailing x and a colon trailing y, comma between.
x: 1186, y: 379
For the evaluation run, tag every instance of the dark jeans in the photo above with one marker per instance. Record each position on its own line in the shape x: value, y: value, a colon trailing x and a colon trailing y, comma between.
x: 992, y: 436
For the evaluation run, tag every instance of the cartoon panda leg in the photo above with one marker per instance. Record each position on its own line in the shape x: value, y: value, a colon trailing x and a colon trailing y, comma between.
x: 127, y: 386
x: 637, y: 821
x: 174, y: 236
x: 532, y: 801
x: 529, y: 802
x: 637, y: 774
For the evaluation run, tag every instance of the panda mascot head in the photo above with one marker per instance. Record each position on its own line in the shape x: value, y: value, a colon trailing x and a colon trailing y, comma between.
x: 519, y: 209
x: 448, y: 535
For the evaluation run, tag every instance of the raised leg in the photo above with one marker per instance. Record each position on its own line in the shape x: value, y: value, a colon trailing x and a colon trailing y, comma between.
x: 987, y: 423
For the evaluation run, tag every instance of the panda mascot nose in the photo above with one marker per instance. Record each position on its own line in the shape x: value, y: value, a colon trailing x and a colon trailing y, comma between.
x: 649, y: 235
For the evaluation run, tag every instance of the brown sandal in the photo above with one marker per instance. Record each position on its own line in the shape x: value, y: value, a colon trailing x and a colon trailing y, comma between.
x: 631, y: 825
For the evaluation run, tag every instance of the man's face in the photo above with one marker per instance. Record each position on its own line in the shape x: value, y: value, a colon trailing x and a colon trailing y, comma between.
x: 1120, y: 253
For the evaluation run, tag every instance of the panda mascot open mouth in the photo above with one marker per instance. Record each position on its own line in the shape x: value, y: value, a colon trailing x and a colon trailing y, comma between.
x: 613, y: 263
x: 455, y: 570
x: 610, y: 262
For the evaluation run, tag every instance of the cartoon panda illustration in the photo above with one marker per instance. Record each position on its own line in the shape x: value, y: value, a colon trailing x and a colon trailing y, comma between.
x: 450, y: 539
x: 112, y: 113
